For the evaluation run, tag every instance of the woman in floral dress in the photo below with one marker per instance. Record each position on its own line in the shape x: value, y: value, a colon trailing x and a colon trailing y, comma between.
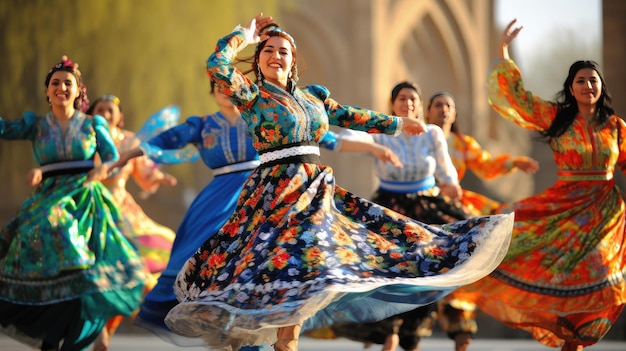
x: 563, y: 278
x: 299, y: 251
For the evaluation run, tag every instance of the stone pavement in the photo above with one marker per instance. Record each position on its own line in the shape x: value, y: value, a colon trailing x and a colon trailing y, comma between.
x: 147, y: 342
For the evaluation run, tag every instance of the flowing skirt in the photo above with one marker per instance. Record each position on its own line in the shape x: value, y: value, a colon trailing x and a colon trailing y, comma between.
x: 427, y: 206
x: 205, y: 216
x: 63, y: 258
x: 153, y: 240
x: 563, y: 279
x: 299, y: 249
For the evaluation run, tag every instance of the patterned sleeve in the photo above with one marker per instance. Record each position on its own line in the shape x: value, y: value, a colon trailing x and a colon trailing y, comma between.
x: 445, y: 173
x: 21, y: 128
x: 176, y: 137
x: 355, y: 117
x: 508, y: 96
x: 621, y: 139
x: 105, y: 145
x: 331, y: 141
x: 482, y: 163
x: 241, y: 90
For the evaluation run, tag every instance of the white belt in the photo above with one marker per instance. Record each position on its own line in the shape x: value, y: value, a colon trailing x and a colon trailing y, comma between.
x: 288, y: 152
x: 237, y: 167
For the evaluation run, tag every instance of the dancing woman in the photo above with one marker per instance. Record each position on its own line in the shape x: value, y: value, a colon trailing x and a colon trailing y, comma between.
x: 563, y: 278
x: 298, y: 248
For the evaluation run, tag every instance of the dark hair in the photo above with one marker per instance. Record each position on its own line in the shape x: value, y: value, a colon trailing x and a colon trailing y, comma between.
x: 454, y: 128
x: 402, y: 85
x: 212, y: 84
x: 272, y: 30
x: 406, y: 84
x: 567, y: 108
x: 66, y: 65
x: 114, y: 99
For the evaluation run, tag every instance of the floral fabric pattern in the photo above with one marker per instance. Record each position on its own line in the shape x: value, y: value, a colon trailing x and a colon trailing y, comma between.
x: 571, y: 234
x: 300, y: 249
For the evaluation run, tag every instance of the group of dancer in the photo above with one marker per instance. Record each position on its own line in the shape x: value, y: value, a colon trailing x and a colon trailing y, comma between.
x: 272, y: 248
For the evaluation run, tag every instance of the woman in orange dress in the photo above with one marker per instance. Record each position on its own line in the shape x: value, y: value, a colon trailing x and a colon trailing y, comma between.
x: 563, y: 277
x: 458, y: 318
x: 468, y: 155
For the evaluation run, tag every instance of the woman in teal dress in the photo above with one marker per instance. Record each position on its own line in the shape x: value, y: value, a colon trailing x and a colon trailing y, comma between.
x: 298, y: 251
x: 65, y: 267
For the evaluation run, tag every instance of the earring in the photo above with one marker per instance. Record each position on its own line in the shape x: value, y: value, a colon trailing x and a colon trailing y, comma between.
x: 259, y: 75
x: 294, y: 74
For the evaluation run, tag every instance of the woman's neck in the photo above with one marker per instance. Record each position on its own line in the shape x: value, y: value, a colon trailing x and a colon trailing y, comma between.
x: 62, y: 112
x: 446, y: 130
x: 587, y: 111
x: 231, y: 114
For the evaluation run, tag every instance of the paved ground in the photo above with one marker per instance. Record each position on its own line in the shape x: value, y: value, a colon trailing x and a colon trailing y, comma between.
x: 126, y: 342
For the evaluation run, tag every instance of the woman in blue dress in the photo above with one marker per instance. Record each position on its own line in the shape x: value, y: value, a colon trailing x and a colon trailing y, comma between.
x: 65, y: 266
x: 298, y: 249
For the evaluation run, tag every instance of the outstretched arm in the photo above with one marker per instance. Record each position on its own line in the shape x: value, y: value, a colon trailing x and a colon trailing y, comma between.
x: 381, y: 152
x: 526, y: 164
x: 507, y: 37
x: 125, y: 157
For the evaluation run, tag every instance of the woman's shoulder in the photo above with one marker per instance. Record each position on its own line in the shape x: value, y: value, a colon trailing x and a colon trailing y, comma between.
x: 434, y: 129
x: 316, y: 89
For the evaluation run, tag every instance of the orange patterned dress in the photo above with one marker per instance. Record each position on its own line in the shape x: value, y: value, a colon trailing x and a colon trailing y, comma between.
x: 563, y: 277
x: 466, y: 155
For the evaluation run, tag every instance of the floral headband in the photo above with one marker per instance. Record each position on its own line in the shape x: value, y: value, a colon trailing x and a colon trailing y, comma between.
x: 65, y: 65
x: 276, y: 29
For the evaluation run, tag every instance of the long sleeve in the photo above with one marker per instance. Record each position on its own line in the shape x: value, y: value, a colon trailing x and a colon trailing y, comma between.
x: 105, y: 145
x: 21, y: 128
x: 621, y: 139
x: 508, y: 96
x: 467, y: 153
x: 230, y: 80
x: 445, y: 172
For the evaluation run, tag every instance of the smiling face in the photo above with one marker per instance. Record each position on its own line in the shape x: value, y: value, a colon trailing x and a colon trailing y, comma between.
x: 407, y: 104
x: 586, y: 87
x: 275, y: 60
x: 442, y: 111
x: 109, y: 110
x: 62, y: 89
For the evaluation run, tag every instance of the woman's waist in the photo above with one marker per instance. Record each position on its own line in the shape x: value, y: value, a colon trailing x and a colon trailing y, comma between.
x: 236, y: 167
x: 66, y: 168
x: 407, y: 186
x: 586, y: 175
x: 301, y: 152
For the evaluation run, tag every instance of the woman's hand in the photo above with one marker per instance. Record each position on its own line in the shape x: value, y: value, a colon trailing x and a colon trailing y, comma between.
x: 125, y: 157
x: 34, y: 177
x: 168, y: 179
x: 412, y: 126
x: 97, y: 174
x: 453, y: 191
x: 526, y: 164
x: 385, y: 154
x: 256, y: 24
x: 507, y: 37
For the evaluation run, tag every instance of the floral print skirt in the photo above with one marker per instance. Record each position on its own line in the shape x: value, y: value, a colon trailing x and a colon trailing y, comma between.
x: 301, y: 250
